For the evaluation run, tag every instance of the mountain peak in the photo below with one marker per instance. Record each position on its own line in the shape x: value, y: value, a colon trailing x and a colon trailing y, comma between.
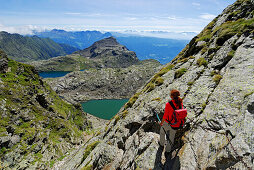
x: 110, y: 51
x: 58, y: 31
x: 110, y: 41
x: 103, y: 46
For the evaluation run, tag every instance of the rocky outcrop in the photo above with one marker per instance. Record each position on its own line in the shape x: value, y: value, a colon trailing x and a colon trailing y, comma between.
x: 3, y: 62
x: 36, y: 127
x: 106, y: 53
x: 107, y: 83
x: 214, y: 74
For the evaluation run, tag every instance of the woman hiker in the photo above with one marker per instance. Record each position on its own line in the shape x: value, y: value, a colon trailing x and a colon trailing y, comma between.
x: 168, y: 129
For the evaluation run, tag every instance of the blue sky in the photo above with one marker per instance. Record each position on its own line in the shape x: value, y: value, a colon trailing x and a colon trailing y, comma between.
x: 22, y: 16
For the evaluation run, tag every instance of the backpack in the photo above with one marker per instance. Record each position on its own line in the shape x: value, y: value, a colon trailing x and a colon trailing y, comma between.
x: 178, y: 117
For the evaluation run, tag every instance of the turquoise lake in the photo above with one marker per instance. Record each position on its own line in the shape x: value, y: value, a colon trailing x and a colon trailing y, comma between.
x: 104, y: 109
x: 53, y: 74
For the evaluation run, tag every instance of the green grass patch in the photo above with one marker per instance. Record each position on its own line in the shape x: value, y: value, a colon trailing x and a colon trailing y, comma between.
x: 117, y: 118
x: 159, y: 81
x: 124, y: 114
x: 231, y: 54
x: 190, y: 83
x: 132, y: 100
x: 89, y: 149
x: 204, y: 49
x: 3, y: 150
x: 248, y: 94
x: 217, y: 78
x: 213, y: 73
x: 180, y: 72
x: 157, y: 99
x: 226, y: 30
x: 164, y: 70
x: 201, y: 61
x: 52, y: 162
x: 231, y: 28
x: 184, y: 60
x: 87, y: 167
x: 61, y: 157
x: 149, y: 87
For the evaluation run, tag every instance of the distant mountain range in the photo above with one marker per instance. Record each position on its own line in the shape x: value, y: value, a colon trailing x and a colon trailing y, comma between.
x: 161, y: 49
x: 78, y: 39
x: 158, y: 34
x: 54, y: 43
x: 30, y: 48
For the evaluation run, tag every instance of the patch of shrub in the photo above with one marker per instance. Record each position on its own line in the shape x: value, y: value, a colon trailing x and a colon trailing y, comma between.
x: 248, y: 94
x: 157, y: 99
x: 217, y: 78
x: 190, y: 83
x: 89, y: 149
x: 203, y: 50
x: 87, y: 167
x: 117, y: 118
x: 213, y: 73
x: 184, y: 60
x: 159, y: 81
x: 213, y: 50
x: 164, y: 70
x: 150, y: 86
x: 180, y: 72
x: 229, y: 29
x: 132, y: 100
x: 124, y: 114
x: 202, y: 61
x: 205, y: 38
x: 231, y: 54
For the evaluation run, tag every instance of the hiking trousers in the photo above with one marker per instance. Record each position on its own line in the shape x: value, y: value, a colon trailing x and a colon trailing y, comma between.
x: 167, y: 135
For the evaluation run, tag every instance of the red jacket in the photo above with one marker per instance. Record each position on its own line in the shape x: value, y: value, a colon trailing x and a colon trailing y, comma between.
x: 168, y: 113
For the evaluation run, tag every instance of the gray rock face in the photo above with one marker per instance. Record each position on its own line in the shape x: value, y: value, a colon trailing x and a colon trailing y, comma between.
x: 108, y: 83
x: 3, y: 62
x: 217, y: 84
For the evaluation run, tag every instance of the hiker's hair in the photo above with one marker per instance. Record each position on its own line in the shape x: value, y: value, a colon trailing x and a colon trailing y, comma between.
x: 175, y: 94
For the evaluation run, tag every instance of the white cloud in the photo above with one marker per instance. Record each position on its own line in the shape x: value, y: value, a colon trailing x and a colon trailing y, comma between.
x: 73, y: 13
x: 24, y: 30
x: 131, y: 18
x: 171, y: 18
x: 195, y: 4
x: 207, y: 16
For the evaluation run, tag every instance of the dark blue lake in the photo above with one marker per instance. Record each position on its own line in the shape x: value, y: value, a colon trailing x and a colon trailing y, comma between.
x: 104, y: 109
x: 53, y: 74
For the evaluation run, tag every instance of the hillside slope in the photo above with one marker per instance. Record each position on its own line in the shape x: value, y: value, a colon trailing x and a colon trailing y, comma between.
x: 24, y: 48
x: 36, y: 127
x: 215, y: 76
